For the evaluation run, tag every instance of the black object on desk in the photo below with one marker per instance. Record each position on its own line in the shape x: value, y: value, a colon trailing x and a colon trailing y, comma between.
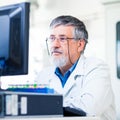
x: 30, y: 104
x: 68, y: 111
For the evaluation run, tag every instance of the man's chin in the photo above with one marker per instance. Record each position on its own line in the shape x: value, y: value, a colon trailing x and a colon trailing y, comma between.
x: 59, y: 62
x: 56, y: 58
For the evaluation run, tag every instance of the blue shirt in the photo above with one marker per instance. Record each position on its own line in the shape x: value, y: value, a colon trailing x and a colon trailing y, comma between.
x: 66, y: 75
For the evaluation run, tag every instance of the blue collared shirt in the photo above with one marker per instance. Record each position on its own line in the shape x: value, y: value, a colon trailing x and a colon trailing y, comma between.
x: 66, y: 75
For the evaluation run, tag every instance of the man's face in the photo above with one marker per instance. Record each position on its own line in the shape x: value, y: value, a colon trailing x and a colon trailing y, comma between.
x: 64, y: 52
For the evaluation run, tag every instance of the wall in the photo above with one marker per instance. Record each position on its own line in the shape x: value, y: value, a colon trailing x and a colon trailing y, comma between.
x: 112, y: 16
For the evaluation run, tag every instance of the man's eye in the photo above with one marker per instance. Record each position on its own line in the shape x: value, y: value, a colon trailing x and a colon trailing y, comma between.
x: 52, y: 38
x: 62, y: 39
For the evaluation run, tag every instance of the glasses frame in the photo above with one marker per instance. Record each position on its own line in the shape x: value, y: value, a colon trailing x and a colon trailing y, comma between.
x: 61, y: 39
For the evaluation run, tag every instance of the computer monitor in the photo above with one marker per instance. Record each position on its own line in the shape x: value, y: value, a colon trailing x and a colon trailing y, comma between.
x: 14, y: 39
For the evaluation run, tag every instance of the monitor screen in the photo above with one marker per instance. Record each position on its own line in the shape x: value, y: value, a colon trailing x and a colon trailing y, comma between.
x: 14, y: 39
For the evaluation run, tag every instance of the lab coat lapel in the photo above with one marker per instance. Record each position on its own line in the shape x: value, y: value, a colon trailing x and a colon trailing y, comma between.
x: 70, y: 82
x: 56, y: 84
x: 79, y: 70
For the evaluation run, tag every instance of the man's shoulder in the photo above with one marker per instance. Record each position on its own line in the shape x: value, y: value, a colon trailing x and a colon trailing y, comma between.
x: 92, y: 63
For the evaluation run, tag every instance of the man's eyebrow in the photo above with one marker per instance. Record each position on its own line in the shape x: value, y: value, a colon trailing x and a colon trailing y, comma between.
x: 52, y: 35
x: 61, y: 35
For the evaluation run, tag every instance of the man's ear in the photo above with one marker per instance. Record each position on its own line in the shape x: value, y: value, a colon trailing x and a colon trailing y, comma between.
x: 81, y: 45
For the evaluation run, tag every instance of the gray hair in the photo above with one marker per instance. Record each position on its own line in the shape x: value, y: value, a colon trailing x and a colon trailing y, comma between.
x: 80, y: 31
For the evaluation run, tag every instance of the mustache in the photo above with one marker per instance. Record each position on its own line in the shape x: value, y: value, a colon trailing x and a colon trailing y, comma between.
x: 55, y: 50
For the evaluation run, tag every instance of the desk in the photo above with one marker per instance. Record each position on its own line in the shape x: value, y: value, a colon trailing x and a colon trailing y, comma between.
x: 50, y: 118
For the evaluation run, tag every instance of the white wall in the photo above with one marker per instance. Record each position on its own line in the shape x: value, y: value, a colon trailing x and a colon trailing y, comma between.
x: 112, y: 17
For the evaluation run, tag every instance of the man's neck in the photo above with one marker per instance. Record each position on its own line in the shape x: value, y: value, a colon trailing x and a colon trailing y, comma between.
x: 64, y: 69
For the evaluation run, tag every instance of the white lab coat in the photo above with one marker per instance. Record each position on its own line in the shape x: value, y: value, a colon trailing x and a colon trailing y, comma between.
x: 88, y: 88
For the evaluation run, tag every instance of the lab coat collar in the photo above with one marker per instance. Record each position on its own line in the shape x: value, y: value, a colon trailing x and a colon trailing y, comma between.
x: 80, y: 66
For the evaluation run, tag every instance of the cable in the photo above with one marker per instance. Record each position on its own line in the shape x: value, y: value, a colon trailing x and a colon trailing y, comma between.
x: 69, y: 52
x: 47, y: 47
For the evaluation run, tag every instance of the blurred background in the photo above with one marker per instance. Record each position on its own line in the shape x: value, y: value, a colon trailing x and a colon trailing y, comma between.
x: 100, y: 18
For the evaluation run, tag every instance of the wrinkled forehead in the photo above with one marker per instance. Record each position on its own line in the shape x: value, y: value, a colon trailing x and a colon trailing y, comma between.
x: 62, y: 30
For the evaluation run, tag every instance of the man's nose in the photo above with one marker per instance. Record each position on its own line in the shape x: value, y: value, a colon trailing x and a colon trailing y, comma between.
x: 56, y: 42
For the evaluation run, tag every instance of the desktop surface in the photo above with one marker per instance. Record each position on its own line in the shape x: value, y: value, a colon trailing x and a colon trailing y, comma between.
x: 50, y: 118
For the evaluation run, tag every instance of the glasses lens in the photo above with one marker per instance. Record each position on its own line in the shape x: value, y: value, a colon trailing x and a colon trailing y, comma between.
x: 60, y: 39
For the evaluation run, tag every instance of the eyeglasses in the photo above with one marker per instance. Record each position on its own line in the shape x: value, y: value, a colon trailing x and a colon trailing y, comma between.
x: 61, y: 39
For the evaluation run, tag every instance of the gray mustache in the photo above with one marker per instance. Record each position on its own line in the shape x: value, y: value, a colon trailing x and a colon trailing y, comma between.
x: 56, y: 51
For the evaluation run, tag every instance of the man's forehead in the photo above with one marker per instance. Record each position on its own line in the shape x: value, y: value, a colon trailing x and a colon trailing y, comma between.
x: 61, y: 30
